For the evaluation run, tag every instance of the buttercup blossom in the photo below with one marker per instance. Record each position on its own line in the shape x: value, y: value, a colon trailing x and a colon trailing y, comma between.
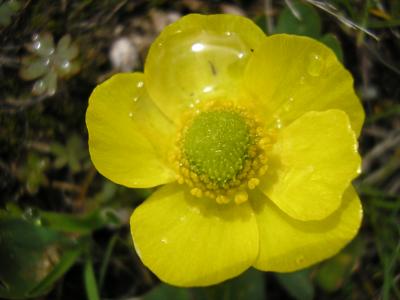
x: 254, y: 140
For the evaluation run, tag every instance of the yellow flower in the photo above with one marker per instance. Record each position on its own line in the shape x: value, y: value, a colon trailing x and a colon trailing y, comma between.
x: 254, y: 138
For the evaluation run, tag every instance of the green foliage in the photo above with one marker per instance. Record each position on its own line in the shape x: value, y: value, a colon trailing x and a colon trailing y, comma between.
x: 69, y: 258
x: 63, y: 221
x: 33, y: 172
x: 332, y: 274
x: 106, y: 260
x: 261, y: 22
x: 90, y: 281
x: 28, y: 254
x: 332, y: 42
x: 300, y: 19
x: 48, y: 62
x: 382, y: 212
x: 7, y: 11
x: 71, y: 155
x: 85, y: 224
x: 249, y: 285
x: 165, y: 291
x: 297, y: 284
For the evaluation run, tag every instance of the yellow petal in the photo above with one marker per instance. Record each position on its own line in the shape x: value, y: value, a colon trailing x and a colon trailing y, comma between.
x: 188, y: 241
x: 312, y: 163
x: 288, y: 245
x: 197, y: 58
x: 289, y: 75
x: 128, y: 135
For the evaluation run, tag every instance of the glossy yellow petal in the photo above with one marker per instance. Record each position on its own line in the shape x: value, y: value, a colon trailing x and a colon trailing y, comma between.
x: 188, y: 241
x: 199, y: 57
x: 288, y: 245
x: 289, y: 75
x: 128, y: 135
x: 312, y: 163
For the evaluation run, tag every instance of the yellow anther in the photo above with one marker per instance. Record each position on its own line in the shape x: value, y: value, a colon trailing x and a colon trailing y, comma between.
x: 185, y: 172
x: 241, y: 197
x: 251, y: 173
x: 252, y: 183
x: 263, y: 158
x: 210, y: 194
x: 252, y: 152
x: 196, y: 192
x: 189, y: 182
x: 236, y: 183
x: 260, y: 131
x: 252, y: 166
x: 173, y: 157
x: 264, y: 141
x: 180, y: 179
x: 262, y: 170
x: 221, y: 199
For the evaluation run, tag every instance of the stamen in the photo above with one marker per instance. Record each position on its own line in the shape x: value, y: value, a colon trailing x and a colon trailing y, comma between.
x: 241, y: 197
x: 196, y: 192
x: 221, y: 199
x: 221, y: 150
x: 253, y: 182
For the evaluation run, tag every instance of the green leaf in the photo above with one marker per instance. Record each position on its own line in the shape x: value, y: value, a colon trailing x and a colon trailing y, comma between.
x: 165, y: 291
x: 39, y: 87
x: 106, y: 260
x: 66, y: 49
x: 60, y: 153
x: 14, y: 5
x: 35, y: 68
x: 305, y: 22
x: 43, y: 44
x: 332, y: 42
x: 249, y: 285
x: 71, y: 155
x: 50, y: 81
x: 297, y: 284
x: 66, y: 262
x: 12, y: 210
x: 261, y: 21
x: 90, y: 281
x: 73, y: 223
x: 27, y: 253
x: 334, y: 272
x: 7, y: 11
x: 33, y: 172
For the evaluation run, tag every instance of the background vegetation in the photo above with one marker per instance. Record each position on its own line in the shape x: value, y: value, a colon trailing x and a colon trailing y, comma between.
x: 64, y: 228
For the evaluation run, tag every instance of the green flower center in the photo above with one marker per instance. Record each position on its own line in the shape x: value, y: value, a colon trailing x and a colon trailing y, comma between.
x: 216, y: 145
x: 221, y: 151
